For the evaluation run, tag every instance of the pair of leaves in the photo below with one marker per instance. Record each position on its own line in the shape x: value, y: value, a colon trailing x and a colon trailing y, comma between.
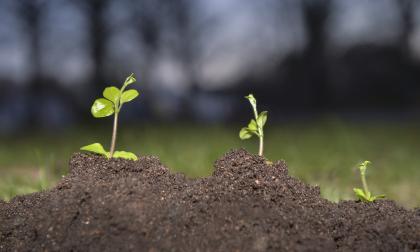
x: 366, y: 196
x: 115, y: 96
x: 113, y: 99
x: 99, y: 149
x: 112, y: 102
x: 254, y: 126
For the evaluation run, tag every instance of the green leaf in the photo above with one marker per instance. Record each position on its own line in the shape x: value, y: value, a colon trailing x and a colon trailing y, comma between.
x: 130, y: 80
x: 129, y: 95
x: 262, y: 118
x: 381, y: 196
x: 245, y: 133
x: 125, y: 155
x: 360, y: 194
x: 102, y: 108
x: 96, y: 148
x: 112, y: 94
x: 252, y: 126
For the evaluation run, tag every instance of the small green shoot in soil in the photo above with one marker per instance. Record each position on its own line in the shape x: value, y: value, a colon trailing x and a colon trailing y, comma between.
x: 255, y: 126
x: 111, y: 104
x: 364, y: 194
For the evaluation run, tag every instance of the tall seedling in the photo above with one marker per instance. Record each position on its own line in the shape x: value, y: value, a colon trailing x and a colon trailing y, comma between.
x: 111, y: 104
x: 255, y: 126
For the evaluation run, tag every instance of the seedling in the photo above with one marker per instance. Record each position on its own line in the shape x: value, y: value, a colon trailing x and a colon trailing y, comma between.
x: 255, y: 126
x: 365, y: 195
x: 111, y: 104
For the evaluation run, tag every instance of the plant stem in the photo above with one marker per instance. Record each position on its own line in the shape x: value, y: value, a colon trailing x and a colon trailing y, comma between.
x: 255, y: 112
x: 260, y: 152
x: 114, y: 134
x: 260, y: 133
x: 365, y: 187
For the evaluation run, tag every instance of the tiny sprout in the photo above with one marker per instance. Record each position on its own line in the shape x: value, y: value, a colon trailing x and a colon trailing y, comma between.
x: 365, y: 195
x: 111, y: 104
x: 256, y: 125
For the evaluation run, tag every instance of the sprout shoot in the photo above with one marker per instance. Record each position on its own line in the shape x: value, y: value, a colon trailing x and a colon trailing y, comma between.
x: 111, y: 104
x: 364, y: 194
x: 255, y: 126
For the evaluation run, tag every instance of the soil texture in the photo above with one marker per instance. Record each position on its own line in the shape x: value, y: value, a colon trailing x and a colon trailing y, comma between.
x: 248, y: 204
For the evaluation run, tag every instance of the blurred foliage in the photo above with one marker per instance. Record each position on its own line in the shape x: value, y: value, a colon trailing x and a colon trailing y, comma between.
x: 322, y: 153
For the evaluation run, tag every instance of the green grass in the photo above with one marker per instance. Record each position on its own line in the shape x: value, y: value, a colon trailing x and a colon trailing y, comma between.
x: 322, y: 153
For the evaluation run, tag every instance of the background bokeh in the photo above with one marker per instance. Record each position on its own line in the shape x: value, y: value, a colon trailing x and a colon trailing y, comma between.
x: 341, y: 81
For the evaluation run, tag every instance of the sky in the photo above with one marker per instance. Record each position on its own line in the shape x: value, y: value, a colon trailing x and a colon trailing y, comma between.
x: 228, y: 38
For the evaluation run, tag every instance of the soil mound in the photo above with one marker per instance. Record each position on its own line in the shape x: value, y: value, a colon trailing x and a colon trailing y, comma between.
x: 248, y: 204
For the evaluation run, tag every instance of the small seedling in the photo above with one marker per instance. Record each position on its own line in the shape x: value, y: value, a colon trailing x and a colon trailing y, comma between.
x: 111, y: 104
x: 256, y: 125
x: 365, y: 195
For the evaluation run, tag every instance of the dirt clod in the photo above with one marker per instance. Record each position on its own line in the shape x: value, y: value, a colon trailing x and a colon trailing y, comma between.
x: 247, y: 205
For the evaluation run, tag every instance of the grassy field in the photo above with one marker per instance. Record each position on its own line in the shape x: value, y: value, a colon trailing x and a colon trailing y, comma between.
x: 323, y: 153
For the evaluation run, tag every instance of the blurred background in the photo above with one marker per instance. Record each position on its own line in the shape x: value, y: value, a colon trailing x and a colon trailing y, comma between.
x: 341, y: 81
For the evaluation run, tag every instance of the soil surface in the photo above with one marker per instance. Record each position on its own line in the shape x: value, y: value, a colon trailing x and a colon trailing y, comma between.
x: 247, y: 205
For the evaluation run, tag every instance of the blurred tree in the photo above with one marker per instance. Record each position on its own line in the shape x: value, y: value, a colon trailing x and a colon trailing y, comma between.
x: 98, y: 35
x: 315, y: 61
x: 408, y: 67
x: 406, y: 9
x: 166, y: 31
x: 31, y: 13
x: 304, y: 75
x: 146, y: 19
x: 164, y: 23
x: 46, y: 103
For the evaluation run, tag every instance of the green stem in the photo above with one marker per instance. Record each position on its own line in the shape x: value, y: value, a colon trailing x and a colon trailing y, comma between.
x: 255, y: 112
x: 117, y: 109
x: 260, y: 133
x: 365, y: 186
x: 114, y: 134
x: 260, y: 152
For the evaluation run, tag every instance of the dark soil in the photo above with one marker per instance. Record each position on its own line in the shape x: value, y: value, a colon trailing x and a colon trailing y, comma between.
x: 247, y: 205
